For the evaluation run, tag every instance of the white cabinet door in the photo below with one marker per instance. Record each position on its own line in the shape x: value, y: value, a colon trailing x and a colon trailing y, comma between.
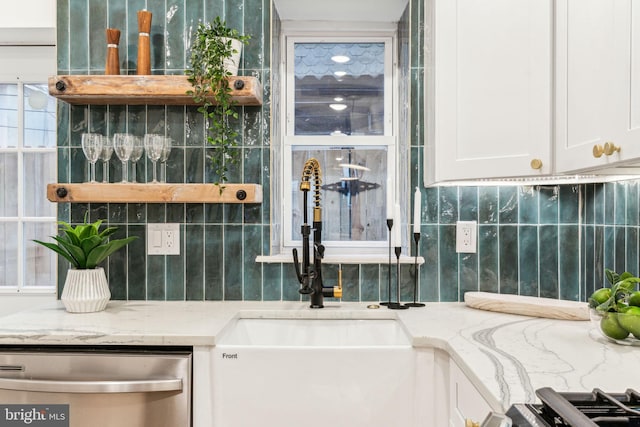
x: 597, y: 93
x: 466, y: 402
x: 488, y: 88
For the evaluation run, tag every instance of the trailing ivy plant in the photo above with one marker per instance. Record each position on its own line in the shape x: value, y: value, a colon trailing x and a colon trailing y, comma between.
x: 212, y: 44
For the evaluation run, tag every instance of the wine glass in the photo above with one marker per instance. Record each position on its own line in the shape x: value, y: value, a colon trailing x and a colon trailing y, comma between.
x: 164, y: 155
x: 105, y: 156
x: 153, y: 144
x: 136, y: 153
x: 92, y: 147
x: 123, y: 146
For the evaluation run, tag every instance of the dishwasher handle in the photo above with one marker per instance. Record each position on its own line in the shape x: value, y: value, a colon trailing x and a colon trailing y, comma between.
x: 62, y: 386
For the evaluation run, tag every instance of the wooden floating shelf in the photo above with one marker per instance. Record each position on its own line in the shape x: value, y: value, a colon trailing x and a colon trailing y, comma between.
x: 153, y: 193
x: 141, y: 90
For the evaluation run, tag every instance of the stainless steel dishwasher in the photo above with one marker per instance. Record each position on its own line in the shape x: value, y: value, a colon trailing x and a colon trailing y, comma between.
x: 104, y: 387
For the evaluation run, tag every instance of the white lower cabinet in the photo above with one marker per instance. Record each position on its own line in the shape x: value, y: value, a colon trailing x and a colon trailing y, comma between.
x: 458, y: 402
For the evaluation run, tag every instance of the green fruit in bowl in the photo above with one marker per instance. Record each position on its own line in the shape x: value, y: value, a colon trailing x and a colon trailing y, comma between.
x: 600, y: 296
x: 610, y: 327
x: 634, y: 299
x: 629, y: 319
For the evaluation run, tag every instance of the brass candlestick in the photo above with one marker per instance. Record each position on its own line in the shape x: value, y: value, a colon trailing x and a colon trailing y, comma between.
x: 112, y: 66
x: 144, y: 45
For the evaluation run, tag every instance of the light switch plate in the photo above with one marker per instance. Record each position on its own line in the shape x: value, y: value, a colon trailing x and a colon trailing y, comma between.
x: 163, y: 239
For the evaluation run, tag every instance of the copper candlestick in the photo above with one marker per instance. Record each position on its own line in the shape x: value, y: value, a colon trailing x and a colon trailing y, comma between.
x: 144, y: 45
x: 112, y: 66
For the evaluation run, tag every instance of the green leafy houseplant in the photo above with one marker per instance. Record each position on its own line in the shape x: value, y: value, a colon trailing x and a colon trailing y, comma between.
x: 212, y: 45
x: 84, y: 245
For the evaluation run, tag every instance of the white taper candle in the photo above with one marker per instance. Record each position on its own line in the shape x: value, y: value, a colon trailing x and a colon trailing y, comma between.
x: 417, y: 207
x: 389, y: 199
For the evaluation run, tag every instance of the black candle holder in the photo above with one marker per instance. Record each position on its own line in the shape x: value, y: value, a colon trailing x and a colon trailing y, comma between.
x: 416, y: 239
x: 389, y: 227
x: 397, y: 305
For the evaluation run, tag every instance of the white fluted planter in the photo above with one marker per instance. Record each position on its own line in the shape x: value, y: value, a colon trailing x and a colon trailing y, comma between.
x: 85, y: 291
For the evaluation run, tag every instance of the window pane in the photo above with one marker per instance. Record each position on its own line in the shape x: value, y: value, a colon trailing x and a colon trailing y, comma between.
x: 40, y: 262
x: 339, y: 88
x: 9, y: 254
x: 39, y: 170
x: 39, y: 117
x: 8, y: 115
x: 8, y: 184
x: 354, y: 194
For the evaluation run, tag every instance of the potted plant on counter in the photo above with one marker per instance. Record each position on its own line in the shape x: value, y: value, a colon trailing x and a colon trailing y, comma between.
x: 86, y: 288
x: 215, y: 55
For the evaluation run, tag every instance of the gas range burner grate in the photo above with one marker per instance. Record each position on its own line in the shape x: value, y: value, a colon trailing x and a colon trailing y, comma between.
x: 597, y: 409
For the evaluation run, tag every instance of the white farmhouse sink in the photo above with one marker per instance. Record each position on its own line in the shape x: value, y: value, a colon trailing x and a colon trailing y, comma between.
x: 315, y: 333
x: 315, y: 372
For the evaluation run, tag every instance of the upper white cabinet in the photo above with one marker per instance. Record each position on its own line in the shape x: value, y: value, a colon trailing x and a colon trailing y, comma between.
x: 488, y: 89
x: 597, y: 84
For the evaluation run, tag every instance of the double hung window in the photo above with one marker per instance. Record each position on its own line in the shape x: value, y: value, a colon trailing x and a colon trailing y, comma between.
x: 338, y: 108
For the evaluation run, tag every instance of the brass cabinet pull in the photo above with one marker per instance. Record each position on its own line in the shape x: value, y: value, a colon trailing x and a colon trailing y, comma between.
x: 598, y: 151
x: 469, y: 423
x: 536, y: 164
x: 610, y: 148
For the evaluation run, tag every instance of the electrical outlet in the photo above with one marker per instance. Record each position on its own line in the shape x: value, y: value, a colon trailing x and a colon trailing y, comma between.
x: 163, y: 239
x: 466, y: 232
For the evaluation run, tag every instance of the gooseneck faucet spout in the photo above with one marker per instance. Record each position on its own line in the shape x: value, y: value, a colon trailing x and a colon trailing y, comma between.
x: 310, y: 276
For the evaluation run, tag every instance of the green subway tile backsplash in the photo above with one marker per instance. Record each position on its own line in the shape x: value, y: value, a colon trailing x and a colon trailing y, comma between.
x: 548, y: 240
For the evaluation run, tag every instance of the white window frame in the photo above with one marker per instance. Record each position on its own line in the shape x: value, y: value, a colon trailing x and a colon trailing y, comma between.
x: 316, y: 33
x: 26, y: 65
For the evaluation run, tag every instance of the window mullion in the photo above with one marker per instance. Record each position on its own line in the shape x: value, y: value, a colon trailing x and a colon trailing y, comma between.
x: 20, y: 189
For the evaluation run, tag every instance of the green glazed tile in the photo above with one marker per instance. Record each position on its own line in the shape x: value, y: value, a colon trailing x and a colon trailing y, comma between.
x: 156, y: 277
x: 429, y: 271
x: 632, y: 198
x: 528, y: 260
x: 175, y: 280
x: 588, y: 256
x: 136, y: 263
x: 569, y: 204
x: 214, y: 262
x: 468, y: 203
x: 232, y: 271
x: 488, y: 207
x: 488, y: 258
x: 62, y: 37
x: 272, y: 280
x: 251, y: 270
x: 508, y: 251
x: 620, y: 203
x: 609, y: 203
x: 97, y: 36
x: 632, y: 250
x: 370, y: 282
x: 448, y: 263
x: 619, y: 245
x: 469, y: 280
x: 548, y: 262
x: 79, y: 28
x: 527, y: 205
x: 448, y: 204
x: 549, y: 204
x: 350, y: 282
x: 195, y: 250
x: 569, y: 262
x: 508, y: 205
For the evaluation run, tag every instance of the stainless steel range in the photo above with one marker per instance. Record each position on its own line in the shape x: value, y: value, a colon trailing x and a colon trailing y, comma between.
x: 578, y: 409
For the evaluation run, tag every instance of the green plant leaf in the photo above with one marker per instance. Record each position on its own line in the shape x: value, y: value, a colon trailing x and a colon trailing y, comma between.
x: 75, y: 251
x: 100, y: 253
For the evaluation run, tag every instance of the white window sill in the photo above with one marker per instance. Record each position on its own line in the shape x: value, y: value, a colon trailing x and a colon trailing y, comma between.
x: 344, y: 259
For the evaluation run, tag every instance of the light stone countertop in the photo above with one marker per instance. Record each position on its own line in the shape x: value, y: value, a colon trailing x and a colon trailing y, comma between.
x: 506, y: 356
